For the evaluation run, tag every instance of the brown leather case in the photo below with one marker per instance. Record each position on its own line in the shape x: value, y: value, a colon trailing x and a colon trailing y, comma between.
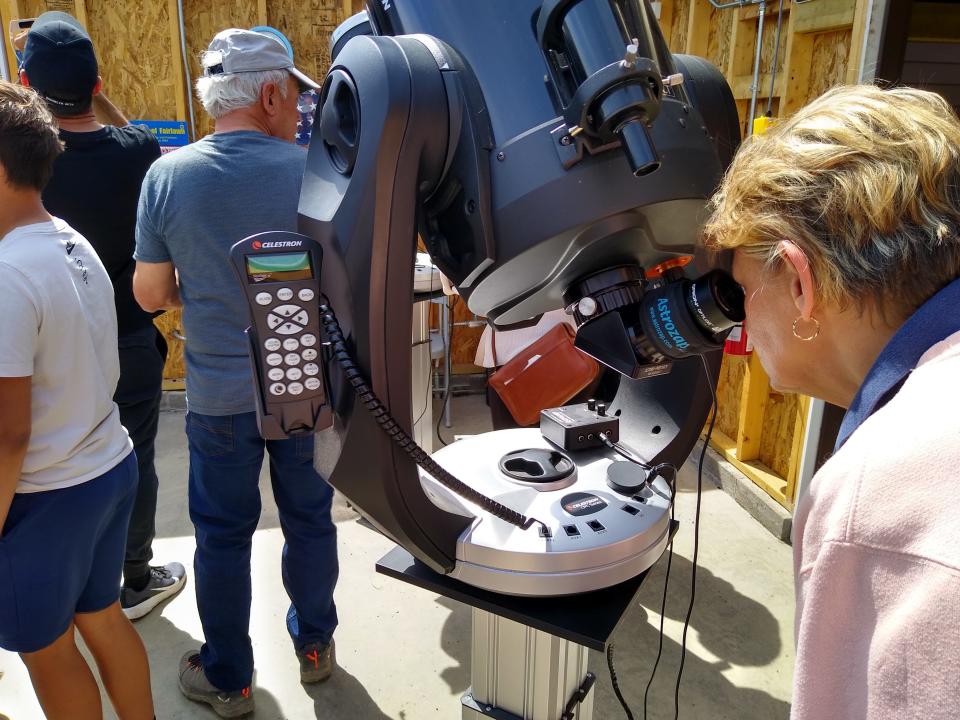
x: 544, y: 375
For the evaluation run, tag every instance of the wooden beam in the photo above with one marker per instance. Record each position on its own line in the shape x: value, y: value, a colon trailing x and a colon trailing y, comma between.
x: 824, y: 15
x: 9, y: 10
x: 857, y: 39
x: 751, y: 12
x: 799, y: 435
x: 262, y: 18
x: 80, y: 11
x: 753, y: 401
x: 666, y: 16
x: 799, y: 60
x: 176, y: 62
x: 728, y: 69
x: 740, y: 86
x: 698, y: 28
x: 761, y: 475
x: 785, y: 70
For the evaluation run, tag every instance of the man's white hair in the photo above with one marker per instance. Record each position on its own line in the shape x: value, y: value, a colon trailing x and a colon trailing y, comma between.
x: 222, y: 94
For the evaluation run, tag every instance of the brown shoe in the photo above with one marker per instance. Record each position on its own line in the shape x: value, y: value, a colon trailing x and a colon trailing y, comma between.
x: 317, y: 661
x: 194, y: 684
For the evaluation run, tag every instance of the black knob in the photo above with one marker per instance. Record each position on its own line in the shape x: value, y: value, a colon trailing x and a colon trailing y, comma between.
x: 591, y: 404
x: 601, y: 409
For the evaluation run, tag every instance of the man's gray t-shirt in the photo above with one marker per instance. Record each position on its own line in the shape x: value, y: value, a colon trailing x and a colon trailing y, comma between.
x: 195, y: 204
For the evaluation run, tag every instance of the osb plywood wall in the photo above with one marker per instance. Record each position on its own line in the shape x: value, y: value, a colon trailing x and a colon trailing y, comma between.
x: 202, y: 19
x: 820, y: 46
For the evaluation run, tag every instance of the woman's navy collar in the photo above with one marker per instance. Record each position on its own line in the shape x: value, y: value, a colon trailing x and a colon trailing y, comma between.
x: 935, y: 320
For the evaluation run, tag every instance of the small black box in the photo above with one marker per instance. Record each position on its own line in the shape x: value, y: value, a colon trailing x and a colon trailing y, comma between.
x: 578, y: 427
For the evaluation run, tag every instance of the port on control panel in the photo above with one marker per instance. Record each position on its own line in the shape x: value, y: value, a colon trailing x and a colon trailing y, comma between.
x: 571, y: 530
x: 630, y: 509
x: 596, y: 526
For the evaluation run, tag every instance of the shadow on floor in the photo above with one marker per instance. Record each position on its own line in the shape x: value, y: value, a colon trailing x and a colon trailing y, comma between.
x: 343, y: 695
x: 735, y: 628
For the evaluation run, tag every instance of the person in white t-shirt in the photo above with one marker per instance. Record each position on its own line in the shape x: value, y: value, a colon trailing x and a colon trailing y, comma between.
x: 68, y: 474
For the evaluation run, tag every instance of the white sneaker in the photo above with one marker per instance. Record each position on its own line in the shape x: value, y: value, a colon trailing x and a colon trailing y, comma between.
x: 165, y: 582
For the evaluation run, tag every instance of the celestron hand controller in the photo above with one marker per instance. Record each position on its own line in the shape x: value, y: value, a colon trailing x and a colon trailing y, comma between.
x: 280, y: 276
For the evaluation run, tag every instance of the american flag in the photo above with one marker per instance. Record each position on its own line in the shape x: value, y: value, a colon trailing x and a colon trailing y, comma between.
x: 307, y: 106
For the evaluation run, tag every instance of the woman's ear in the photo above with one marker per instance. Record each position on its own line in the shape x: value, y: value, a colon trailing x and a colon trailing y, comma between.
x: 801, y: 283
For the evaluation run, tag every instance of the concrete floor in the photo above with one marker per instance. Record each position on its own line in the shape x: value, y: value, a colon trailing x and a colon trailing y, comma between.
x: 404, y: 653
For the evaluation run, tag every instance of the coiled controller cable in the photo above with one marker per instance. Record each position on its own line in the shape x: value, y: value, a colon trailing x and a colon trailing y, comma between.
x: 391, y: 427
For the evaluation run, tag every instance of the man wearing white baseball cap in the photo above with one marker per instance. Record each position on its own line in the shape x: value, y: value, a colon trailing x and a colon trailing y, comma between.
x: 246, y: 51
x: 195, y: 204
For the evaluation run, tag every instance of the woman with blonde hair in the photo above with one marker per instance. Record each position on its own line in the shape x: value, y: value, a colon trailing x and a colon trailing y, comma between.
x: 845, y: 226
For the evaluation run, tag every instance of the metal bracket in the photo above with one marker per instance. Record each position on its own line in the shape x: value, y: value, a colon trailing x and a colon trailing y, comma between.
x: 495, y: 713
x: 578, y: 697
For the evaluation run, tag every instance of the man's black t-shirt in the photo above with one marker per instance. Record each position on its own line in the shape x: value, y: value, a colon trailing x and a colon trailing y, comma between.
x: 95, y: 187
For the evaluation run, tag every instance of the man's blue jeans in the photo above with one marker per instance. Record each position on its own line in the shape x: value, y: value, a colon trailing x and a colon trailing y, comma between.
x: 226, y: 453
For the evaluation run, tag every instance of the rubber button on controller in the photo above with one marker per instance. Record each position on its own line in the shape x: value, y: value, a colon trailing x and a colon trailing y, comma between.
x: 274, y: 359
x: 264, y: 298
x: 271, y: 344
x: 311, y: 383
x: 306, y: 295
x: 311, y: 369
x: 294, y: 374
x: 275, y: 374
x: 287, y: 310
x: 308, y: 340
x: 295, y: 388
x: 292, y: 359
x: 277, y: 389
x: 291, y: 344
x: 309, y: 354
x: 284, y: 294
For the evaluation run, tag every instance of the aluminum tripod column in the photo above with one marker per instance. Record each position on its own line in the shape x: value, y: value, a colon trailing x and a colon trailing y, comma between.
x: 518, y: 673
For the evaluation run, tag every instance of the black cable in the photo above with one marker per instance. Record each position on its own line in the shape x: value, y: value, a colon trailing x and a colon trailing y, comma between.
x: 663, y: 601
x: 449, y: 389
x: 616, y: 685
x: 696, y: 536
x: 381, y: 415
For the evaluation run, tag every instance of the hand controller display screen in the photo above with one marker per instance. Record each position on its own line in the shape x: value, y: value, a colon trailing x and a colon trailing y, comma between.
x: 282, y: 267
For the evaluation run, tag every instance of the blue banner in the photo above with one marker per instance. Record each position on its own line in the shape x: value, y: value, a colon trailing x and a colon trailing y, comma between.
x: 169, y: 133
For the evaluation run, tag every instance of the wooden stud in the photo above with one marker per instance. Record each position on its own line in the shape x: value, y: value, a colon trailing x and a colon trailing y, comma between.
x: 799, y: 433
x: 698, y: 28
x: 179, y: 80
x: 740, y: 86
x: 824, y: 15
x: 789, y: 34
x: 80, y: 11
x: 755, y: 390
x: 9, y: 10
x: 857, y: 39
x: 666, y: 16
x: 262, y: 12
x: 764, y: 477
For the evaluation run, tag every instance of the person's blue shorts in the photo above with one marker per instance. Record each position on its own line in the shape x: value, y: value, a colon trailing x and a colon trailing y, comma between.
x: 61, y: 553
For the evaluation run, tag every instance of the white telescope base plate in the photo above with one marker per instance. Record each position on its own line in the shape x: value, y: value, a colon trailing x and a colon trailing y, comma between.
x: 599, y: 537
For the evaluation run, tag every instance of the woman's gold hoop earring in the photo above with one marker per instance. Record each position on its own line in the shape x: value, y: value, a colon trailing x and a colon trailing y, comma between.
x: 813, y: 335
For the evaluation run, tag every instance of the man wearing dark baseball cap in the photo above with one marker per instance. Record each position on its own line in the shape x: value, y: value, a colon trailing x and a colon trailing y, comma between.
x: 195, y: 204
x: 95, y: 188
x: 61, y: 64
